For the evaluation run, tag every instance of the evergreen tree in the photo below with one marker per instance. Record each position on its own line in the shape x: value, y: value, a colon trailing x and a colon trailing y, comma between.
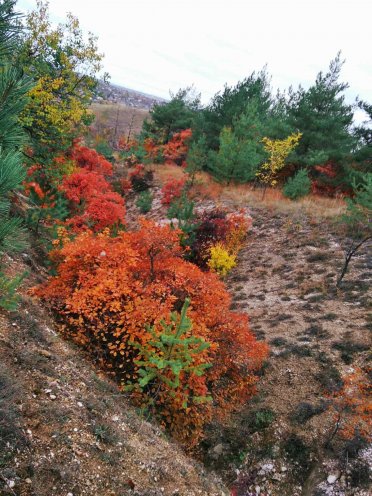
x: 13, y: 90
x: 226, y: 107
x: 297, y: 186
x: 174, y: 116
x: 197, y: 158
x: 324, y: 119
x: 363, y: 135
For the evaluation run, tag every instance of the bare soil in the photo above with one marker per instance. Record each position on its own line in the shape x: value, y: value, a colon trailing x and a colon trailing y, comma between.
x: 65, y: 428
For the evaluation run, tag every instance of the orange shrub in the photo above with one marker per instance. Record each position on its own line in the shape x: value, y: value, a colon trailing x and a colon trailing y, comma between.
x: 176, y: 149
x: 352, y: 405
x: 108, y: 289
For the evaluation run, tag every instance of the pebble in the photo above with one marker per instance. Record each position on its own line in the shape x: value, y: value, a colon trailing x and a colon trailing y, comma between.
x: 28, y: 481
x: 11, y: 484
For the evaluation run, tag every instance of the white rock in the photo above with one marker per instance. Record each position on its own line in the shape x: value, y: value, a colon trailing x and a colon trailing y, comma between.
x: 331, y: 479
x: 258, y: 490
x: 267, y: 467
x: 11, y: 484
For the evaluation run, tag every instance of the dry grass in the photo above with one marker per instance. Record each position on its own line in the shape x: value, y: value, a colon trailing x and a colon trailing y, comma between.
x: 242, y: 195
x: 110, y: 115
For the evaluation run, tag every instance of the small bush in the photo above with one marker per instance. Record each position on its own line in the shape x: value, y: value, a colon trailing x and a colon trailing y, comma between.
x: 360, y: 475
x: 182, y: 209
x: 144, y: 202
x: 297, y: 451
x: 297, y: 186
x: 278, y: 341
x: 221, y: 261
x: 348, y: 349
x: 305, y: 411
x: 263, y: 418
x: 172, y: 189
x: 330, y: 379
x: 103, y: 148
x: 217, y: 226
x: 104, y: 433
x: 8, y: 288
x: 140, y: 178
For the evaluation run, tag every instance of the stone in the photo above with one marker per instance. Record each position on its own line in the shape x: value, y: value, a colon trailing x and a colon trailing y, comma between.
x: 218, y: 449
x: 331, y: 479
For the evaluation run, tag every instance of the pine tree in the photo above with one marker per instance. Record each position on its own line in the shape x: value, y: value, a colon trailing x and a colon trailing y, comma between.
x: 174, y: 116
x: 172, y: 353
x: 363, y: 135
x: 323, y: 117
x: 226, y: 107
x: 13, y: 89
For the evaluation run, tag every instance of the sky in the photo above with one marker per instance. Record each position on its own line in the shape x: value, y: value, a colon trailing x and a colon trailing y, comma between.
x: 158, y: 46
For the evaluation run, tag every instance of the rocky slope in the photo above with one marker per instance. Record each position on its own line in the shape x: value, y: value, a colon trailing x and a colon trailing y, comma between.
x: 66, y: 430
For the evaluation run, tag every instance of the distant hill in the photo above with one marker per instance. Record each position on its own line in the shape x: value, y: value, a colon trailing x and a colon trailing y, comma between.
x: 107, y: 92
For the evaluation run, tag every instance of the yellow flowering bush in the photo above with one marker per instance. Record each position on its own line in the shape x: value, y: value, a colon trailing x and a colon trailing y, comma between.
x: 278, y: 151
x: 221, y: 261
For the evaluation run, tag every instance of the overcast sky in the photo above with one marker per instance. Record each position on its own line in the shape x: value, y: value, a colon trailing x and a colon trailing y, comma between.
x: 160, y: 45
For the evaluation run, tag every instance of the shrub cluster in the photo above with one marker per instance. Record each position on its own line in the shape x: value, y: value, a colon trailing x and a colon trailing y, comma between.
x: 218, y: 228
x: 93, y: 203
x: 116, y: 296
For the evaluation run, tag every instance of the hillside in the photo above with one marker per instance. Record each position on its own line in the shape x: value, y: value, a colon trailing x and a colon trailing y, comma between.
x: 65, y: 429
x: 69, y: 428
x: 113, y: 93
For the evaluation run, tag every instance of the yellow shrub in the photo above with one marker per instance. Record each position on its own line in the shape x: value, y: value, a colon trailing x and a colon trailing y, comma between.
x: 220, y: 260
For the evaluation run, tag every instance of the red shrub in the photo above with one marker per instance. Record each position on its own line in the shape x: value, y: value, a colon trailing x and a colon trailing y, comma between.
x: 108, y: 289
x: 175, y: 150
x: 91, y: 160
x: 172, y: 189
x: 84, y: 184
x: 101, y: 211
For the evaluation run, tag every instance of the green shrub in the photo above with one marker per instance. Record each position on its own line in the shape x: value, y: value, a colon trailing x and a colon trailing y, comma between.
x: 8, y: 288
x: 263, y: 418
x: 182, y: 209
x: 297, y: 186
x: 144, y: 201
x: 105, y: 149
